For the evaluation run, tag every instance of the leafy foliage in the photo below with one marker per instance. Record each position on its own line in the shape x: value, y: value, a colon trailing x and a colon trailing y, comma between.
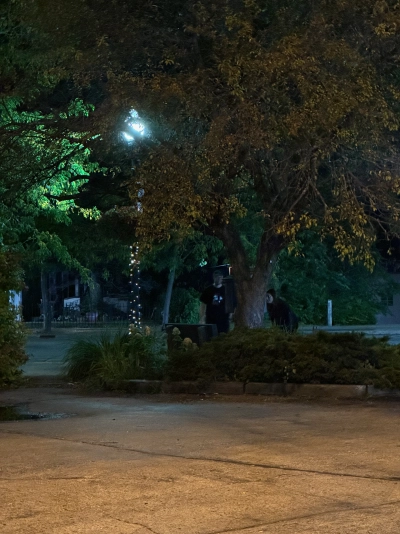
x: 294, y: 127
x: 42, y: 168
x: 180, y: 256
x: 12, y: 333
x: 309, y: 273
x: 40, y: 157
x: 184, y: 306
x: 270, y: 355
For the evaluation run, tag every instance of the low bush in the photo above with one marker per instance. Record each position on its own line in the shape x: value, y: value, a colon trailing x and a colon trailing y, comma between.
x: 270, y: 355
x: 12, y: 351
x: 12, y: 332
x: 116, y: 357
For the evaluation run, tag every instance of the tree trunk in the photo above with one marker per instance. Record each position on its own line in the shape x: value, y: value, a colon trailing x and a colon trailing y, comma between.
x: 168, y: 295
x: 250, y: 305
x: 46, y: 302
x: 94, y: 293
x: 250, y: 294
x: 251, y: 283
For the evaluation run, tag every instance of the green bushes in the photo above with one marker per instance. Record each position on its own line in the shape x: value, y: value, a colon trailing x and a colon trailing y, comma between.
x: 244, y: 355
x: 114, y: 358
x: 270, y: 355
x: 12, y: 333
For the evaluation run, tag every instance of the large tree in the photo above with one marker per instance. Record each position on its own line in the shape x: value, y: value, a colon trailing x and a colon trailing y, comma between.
x: 283, y: 111
x: 289, y: 114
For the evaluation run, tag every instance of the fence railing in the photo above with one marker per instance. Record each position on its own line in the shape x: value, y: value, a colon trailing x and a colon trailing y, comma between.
x: 80, y: 322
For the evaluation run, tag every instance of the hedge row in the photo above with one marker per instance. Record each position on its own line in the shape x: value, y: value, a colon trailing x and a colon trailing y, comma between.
x: 270, y: 355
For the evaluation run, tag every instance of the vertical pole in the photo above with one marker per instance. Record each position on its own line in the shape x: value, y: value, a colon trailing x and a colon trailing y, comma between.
x: 76, y: 287
x: 329, y: 313
x: 167, y: 300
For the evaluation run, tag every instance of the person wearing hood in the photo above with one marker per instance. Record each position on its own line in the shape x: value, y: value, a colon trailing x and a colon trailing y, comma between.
x: 280, y: 313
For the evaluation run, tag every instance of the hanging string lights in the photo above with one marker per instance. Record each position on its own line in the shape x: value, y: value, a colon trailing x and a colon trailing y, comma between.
x: 134, y: 304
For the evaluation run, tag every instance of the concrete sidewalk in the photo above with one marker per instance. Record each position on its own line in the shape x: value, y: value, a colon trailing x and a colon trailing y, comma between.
x: 160, y: 465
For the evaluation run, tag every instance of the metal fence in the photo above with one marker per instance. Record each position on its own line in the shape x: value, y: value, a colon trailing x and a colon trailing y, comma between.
x: 80, y: 322
x: 110, y: 316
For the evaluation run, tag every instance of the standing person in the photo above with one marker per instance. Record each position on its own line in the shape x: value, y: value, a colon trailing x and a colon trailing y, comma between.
x: 212, y: 304
x: 281, y: 313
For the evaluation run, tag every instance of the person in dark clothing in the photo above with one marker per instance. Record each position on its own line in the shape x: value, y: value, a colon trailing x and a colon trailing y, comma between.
x: 212, y: 305
x: 280, y: 313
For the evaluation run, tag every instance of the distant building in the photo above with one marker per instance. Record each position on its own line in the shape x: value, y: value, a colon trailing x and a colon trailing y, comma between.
x: 16, y: 301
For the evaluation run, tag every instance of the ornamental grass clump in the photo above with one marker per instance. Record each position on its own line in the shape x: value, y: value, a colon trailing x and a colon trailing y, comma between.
x: 271, y: 355
x: 115, y: 358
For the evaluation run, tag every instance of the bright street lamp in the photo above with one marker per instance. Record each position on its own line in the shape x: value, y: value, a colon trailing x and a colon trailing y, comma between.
x: 134, y: 127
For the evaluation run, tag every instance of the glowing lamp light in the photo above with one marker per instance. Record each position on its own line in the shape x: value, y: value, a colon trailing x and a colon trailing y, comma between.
x: 138, y: 127
x: 134, y: 126
x: 127, y: 137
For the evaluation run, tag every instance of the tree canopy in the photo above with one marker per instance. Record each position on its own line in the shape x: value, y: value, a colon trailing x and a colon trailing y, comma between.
x: 42, y: 168
x: 281, y: 110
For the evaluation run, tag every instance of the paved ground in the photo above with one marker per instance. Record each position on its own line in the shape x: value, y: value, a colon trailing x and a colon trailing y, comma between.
x: 160, y: 465
x: 121, y: 464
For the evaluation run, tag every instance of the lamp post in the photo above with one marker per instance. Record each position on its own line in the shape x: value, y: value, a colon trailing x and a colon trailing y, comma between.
x: 134, y: 282
x: 133, y: 131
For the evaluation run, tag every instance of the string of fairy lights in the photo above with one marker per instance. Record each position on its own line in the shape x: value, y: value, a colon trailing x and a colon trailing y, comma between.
x: 134, y: 304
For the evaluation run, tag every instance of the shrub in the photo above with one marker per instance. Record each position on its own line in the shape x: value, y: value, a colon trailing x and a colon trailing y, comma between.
x: 271, y: 355
x: 12, y: 332
x: 183, y: 362
x: 112, y: 359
